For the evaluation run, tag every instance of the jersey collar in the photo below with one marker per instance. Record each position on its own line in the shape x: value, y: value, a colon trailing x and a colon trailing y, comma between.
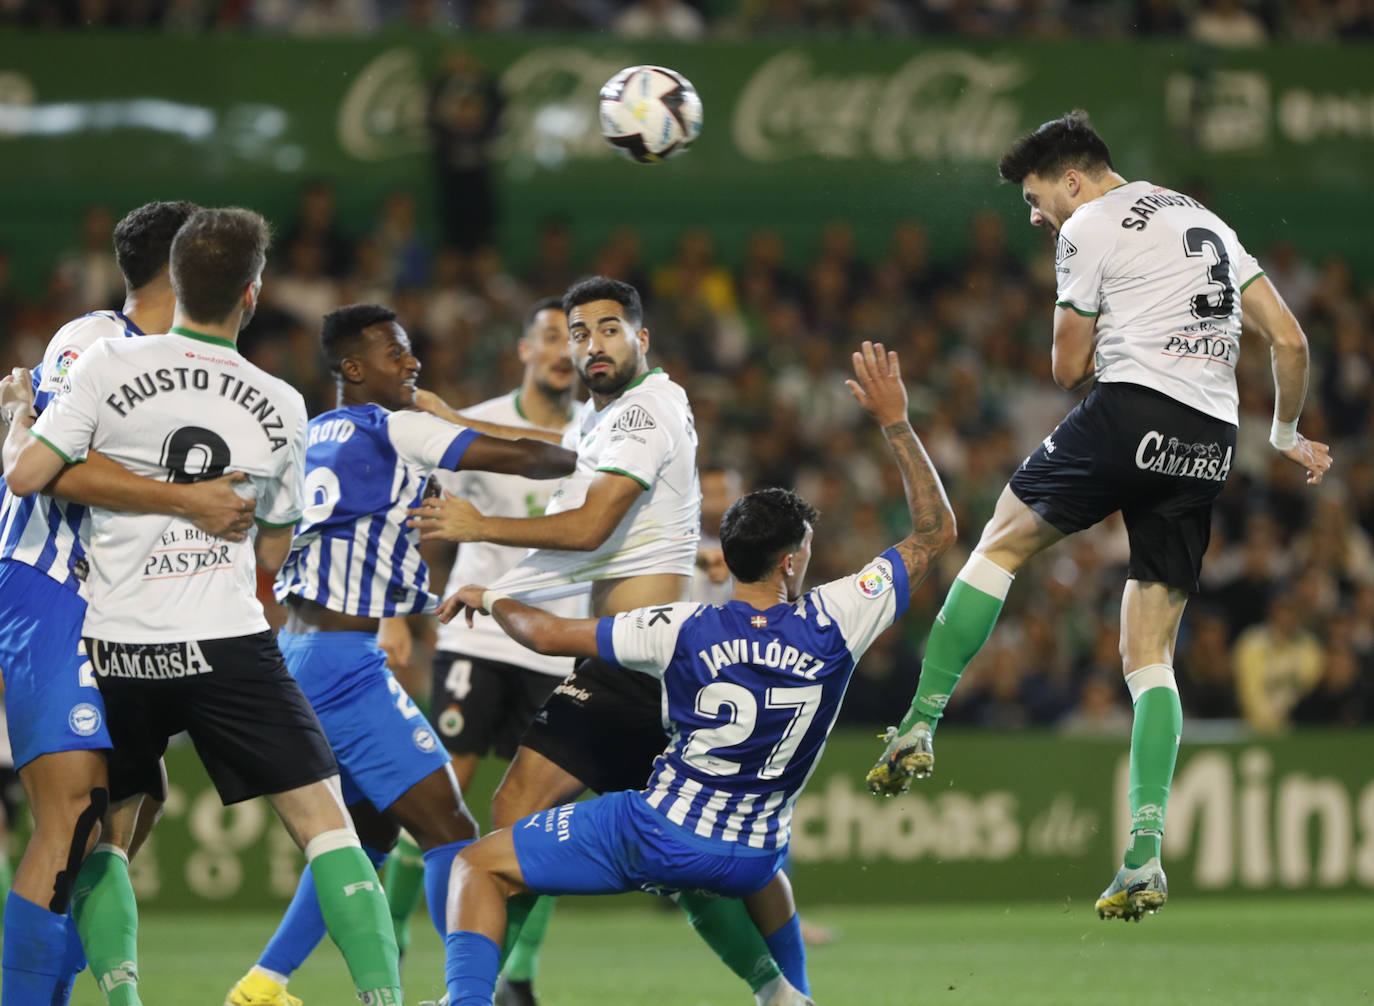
x: 640, y: 379
x: 129, y: 324
x: 214, y: 340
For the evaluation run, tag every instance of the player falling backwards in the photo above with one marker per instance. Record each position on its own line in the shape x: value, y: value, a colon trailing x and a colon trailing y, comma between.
x: 751, y: 689
x: 56, y: 716
x: 625, y: 525
x: 1153, y: 291
x: 352, y: 563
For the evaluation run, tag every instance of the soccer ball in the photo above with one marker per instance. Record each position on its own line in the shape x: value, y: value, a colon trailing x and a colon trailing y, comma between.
x: 650, y: 113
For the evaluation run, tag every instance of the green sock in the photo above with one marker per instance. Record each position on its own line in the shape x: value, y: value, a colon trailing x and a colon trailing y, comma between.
x: 961, y: 628
x: 1155, y: 736
x: 107, y: 921
x: 725, y: 925
x: 518, y: 909
x: 523, y: 960
x: 404, y: 883
x: 356, y: 916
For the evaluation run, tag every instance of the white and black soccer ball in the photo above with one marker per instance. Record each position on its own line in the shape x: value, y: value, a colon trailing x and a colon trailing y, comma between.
x: 650, y: 113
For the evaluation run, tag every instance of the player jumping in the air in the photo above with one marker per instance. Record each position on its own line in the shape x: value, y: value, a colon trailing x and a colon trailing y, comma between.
x: 352, y: 563
x: 56, y: 717
x: 1154, y: 289
x: 751, y: 689
x: 174, y: 631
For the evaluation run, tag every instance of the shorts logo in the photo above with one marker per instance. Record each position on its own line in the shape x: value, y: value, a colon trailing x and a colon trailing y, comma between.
x: 874, y: 580
x: 424, y: 739
x: 451, y: 722
x: 1049, y: 445
x: 84, y: 719
x: 578, y: 695
x: 1205, y: 461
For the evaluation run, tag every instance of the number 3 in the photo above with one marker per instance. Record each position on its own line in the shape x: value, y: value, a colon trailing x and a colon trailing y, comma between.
x: 1195, y: 239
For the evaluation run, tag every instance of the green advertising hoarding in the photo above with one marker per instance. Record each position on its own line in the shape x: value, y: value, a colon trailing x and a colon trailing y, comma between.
x: 796, y: 133
x: 1007, y: 817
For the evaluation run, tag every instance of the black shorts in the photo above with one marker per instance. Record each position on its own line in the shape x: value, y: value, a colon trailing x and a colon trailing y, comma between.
x: 480, y: 706
x: 603, y: 725
x: 251, y: 725
x: 1129, y: 448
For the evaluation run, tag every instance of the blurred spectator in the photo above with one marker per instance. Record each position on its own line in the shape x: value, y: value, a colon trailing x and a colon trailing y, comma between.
x: 316, y: 17
x: 1309, y: 20
x: 566, y: 15
x: 1226, y: 24
x: 1345, y: 694
x: 552, y: 271
x: 303, y: 290
x: 1100, y: 710
x: 89, y: 271
x: 464, y: 115
x: 1276, y: 664
x: 660, y: 19
x: 317, y: 221
x: 1207, y: 683
x: 403, y: 253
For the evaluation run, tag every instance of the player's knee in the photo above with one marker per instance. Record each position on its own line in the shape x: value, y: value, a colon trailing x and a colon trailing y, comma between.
x: 85, y: 829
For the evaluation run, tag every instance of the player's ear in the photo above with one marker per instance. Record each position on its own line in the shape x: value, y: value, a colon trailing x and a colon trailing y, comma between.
x: 524, y: 349
x: 351, y: 370
x: 643, y: 336
x: 1073, y: 181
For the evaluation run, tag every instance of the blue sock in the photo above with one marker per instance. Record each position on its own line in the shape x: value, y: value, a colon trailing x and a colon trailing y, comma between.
x: 73, y: 963
x: 302, y: 927
x: 35, y: 947
x: 470, y: 967
x: 438, y: 867
x: 790, y: 953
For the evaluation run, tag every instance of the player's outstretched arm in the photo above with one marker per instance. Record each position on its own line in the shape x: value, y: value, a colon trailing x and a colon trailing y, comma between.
x: 1265, y: 314
x: 428, y: 401
x: 879, y: 389
x: 534, y: 459
x: 529, y: 626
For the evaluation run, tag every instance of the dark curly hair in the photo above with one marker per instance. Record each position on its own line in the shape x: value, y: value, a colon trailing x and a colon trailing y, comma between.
x: 1066, y: 142
x: 760, y: 528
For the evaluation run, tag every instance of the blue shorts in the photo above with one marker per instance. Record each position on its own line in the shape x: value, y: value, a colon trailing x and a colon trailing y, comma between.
x: 382, y: 741
x: 50, y: 693
x: 617, y: 842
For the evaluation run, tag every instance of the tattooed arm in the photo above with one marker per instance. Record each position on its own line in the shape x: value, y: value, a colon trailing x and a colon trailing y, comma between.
x: 879, y: 389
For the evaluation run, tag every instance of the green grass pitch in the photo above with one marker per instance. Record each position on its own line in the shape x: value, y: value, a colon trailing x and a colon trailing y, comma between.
x: 1247, y: 952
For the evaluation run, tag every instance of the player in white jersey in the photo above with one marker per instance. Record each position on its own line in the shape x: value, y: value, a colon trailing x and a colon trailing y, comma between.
x: 1153, y: 291
x: 176, y: 636
x: 57, y: 722
x: 625, y: 523
x: 751, y: 689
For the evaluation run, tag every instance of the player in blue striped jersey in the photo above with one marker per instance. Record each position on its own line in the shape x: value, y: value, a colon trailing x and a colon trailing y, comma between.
x: 751, y: 689
x: 56, y: 716
x: 353, y: 562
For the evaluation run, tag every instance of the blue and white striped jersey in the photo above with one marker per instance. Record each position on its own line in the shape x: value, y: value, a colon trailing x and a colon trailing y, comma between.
x: 48, y: 534
x: 750, y: 696
x: 365, y: 467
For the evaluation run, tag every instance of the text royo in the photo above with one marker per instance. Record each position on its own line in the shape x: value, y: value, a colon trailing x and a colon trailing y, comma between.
x: 151, y: 383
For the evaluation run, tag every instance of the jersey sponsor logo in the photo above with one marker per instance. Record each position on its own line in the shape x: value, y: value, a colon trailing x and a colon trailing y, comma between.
x: 84, y: 719
x: 1064, y: 249
x: 424, y: 740
x: 634, y: 419
x: 1212, y: 348
x: 147, y: 661
x: 874, y: 580
x: 1174, y: 457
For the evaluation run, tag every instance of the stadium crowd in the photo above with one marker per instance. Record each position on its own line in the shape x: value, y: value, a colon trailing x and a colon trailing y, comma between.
x: 1217, y: 22
x: 1283, y: 632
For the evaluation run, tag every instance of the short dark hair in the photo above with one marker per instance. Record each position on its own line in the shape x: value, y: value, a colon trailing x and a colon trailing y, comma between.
x: 760, y: 527
x: 542, y: 304
x: 1066, y: 142
x: 344, y: 327
x: 584, y: 291
x: 214, y: 256
x: 143, y: 239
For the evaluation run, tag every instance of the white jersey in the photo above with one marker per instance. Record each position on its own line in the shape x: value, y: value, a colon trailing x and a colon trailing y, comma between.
x: 46, y: 533
x: 366, y: 468
x: 484, y: 563
x: 647, y: 434
x: 1163, y: 275
x: 178, y: 407
x: 751, y: 695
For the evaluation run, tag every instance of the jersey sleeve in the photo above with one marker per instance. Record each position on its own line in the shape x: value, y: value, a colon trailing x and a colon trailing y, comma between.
x: 1247, y: 266
x: 53, y: 376
x: 640, y: 440
x: 427, y: 441
x: 68, y: 423
x: 1080, y: 257
x: 643, y: 639
x: 284, y: 504
x: 865, y: 603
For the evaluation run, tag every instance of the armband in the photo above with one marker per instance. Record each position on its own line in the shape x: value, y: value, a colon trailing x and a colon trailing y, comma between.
x: 1283, y: 435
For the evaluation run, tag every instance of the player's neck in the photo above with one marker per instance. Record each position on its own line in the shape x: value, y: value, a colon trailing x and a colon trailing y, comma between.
x: 151, y: 307
x: 1100, y: 186
x: 763, y: 594
x: 549, y: 412
x: 224, y: 331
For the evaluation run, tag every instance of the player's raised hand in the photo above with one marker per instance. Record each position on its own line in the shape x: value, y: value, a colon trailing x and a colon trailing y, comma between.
x: 878, y: 384
x: 468, y: 600
x: 1313, y: 455
x: 218, y: 508
x: 446, y: 518
x: 16, y: 393
x: 428, y: 401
